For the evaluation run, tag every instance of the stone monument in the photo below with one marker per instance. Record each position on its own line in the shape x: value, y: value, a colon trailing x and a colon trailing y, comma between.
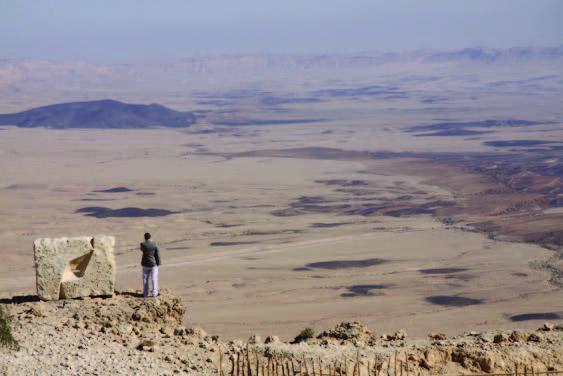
x: 77, y: 267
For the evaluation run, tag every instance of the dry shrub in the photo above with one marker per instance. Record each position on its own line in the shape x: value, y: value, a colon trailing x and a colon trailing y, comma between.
x: 304, y: 335
x: 7, y: 340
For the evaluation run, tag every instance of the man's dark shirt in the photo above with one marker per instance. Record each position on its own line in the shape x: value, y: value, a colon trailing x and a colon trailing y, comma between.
x: 151, y: 254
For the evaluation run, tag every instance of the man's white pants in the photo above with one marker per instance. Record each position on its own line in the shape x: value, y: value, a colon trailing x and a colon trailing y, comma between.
x: 152, y: 274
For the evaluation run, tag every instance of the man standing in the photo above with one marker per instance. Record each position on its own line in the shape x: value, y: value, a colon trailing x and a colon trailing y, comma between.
x: 150, y: 263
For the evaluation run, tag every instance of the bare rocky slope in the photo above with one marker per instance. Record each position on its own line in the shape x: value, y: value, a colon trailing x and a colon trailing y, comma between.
x: 102, y: 114
x: 127, y: 334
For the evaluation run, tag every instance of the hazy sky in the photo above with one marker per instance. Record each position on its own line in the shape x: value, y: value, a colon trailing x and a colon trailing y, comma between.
x: 136, y: 29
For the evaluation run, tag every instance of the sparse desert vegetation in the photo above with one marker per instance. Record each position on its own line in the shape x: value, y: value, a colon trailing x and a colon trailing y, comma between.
x: 304, y: 335
x: 7, y: 340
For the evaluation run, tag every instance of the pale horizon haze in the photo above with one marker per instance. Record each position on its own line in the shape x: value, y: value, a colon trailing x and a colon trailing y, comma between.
x: 132, y: 29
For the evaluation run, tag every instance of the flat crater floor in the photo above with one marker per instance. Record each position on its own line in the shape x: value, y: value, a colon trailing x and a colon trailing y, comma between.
x: 418, y: 194
x: 270, y: 243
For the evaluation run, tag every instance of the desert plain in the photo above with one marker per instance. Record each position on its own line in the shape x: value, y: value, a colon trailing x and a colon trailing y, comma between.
x: 305, y: 198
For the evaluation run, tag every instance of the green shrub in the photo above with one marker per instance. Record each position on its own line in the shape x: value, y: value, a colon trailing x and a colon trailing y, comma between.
x: 7, y: 340
x: 305, y: 334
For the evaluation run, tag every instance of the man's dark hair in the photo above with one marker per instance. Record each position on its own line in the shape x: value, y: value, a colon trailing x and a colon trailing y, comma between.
x: 147, y: 236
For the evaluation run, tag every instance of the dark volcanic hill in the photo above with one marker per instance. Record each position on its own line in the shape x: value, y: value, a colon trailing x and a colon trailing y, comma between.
x: 105, y: 113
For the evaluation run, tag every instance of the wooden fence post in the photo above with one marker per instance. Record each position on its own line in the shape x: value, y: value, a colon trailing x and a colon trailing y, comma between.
x: 220, y: 368
x: 515, y: 369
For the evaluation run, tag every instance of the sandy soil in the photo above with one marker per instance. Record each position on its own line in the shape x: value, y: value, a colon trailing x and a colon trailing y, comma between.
x: 240, y: 268
x: 259, y: 239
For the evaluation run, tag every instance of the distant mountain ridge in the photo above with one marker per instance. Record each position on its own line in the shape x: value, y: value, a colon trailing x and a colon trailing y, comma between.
x: 496, y: 54
x: 103, y: 114
x: 10, y: 69
x: 34, y: 82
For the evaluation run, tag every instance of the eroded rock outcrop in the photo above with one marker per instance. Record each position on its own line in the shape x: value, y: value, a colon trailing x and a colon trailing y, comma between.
x: 74, y: 267
x: 129, y: 334
x: 348, y: 333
